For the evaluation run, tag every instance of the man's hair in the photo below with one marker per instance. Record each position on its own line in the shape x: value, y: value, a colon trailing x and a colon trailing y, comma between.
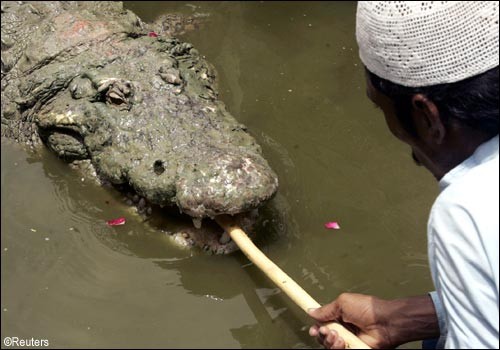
x: 472, y: 102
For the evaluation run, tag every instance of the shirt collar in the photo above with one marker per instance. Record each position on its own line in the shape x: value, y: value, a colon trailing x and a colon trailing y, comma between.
x: 482, y: 154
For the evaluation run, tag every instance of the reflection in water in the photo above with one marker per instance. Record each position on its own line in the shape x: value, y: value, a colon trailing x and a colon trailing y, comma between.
x: 219, y: 282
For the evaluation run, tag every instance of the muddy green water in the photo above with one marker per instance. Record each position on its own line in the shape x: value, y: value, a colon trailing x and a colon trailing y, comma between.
x: 290, y: 72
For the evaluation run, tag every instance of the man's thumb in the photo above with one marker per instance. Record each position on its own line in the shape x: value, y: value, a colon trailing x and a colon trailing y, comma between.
x: 328, y: 312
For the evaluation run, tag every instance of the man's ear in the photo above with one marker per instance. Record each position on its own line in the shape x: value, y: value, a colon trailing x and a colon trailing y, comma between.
x: 427, y: 119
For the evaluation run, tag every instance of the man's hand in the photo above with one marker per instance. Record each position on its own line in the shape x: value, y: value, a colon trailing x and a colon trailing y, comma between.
x: 379, y: 323
x: 358, y: 313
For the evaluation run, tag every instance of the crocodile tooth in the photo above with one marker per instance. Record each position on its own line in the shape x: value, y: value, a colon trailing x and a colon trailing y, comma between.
x: 197, y: 222
x: 224, y: 238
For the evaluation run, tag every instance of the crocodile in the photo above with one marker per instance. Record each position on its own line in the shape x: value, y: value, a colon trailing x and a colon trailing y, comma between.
x: 134, y: 106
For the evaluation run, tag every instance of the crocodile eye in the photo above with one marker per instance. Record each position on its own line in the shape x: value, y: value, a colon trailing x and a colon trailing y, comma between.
x: 114, y: 98
x: 116, y: 92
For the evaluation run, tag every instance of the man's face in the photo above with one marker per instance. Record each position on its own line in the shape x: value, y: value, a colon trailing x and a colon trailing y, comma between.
x: 386, y: 105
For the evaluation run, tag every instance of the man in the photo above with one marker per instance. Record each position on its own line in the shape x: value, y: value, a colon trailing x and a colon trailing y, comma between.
x: 432, y: 68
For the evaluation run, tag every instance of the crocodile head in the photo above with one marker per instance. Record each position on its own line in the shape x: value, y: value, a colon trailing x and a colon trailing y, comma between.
x: 143, y: 109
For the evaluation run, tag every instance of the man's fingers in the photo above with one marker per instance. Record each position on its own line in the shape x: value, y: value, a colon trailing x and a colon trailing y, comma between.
x: 314, y: 331
x: 328, y: 312
x: 331, y: 339
x: 339, y: 343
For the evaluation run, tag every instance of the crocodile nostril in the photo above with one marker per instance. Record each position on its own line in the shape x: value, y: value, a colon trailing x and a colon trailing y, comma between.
x: 158, y: 167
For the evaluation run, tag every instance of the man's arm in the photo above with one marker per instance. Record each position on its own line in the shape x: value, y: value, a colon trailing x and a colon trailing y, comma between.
x: 379, y: 323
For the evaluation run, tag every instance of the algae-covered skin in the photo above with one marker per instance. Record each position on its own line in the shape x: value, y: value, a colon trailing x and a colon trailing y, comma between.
x: 87, y: 80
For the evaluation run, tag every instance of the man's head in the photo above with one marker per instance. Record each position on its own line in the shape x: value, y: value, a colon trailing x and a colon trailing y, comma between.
x: 434, y: 72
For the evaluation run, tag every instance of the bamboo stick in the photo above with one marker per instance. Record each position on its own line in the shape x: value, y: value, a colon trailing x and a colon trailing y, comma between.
x: 282, y: 280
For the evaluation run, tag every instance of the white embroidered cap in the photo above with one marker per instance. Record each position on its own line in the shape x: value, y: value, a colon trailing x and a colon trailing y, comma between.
x: 423, y: 43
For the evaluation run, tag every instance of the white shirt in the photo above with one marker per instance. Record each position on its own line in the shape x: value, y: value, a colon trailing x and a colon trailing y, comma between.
x: 463, y: 232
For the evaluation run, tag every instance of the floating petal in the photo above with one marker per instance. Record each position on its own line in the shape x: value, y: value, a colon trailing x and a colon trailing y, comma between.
x: 332, y: 225
x: 115, y: 222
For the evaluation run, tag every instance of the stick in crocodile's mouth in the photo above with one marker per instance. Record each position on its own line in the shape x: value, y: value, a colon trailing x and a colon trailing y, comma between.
x: 209, y: 236
x: 187, y: 232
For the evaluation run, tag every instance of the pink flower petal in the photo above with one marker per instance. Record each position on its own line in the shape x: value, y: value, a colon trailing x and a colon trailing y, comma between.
x: 115, y: 222
x: 152, y: 35
x: 332, y: 225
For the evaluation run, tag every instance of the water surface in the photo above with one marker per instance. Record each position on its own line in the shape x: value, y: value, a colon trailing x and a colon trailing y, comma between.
x: 290, y: 72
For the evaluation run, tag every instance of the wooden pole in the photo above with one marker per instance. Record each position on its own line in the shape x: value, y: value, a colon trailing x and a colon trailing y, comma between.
x: 281, y: 279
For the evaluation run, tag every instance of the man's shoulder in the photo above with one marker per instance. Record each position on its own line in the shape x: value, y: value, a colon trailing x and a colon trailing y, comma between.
x: 467, y: 211
x: 478, y: 189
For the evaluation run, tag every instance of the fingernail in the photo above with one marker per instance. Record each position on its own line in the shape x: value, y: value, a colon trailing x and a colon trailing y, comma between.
x: 312, y: 309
